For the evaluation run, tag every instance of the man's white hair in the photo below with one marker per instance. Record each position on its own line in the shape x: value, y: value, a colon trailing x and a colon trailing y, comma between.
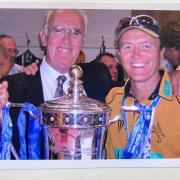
x: 81, y: 12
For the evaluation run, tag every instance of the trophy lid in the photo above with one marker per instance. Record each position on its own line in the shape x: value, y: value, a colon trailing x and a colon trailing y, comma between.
x: 75, y: 101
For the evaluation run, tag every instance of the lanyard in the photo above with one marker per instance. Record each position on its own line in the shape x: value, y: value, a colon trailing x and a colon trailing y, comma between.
x: 33, y: 139
x: 138, y: 140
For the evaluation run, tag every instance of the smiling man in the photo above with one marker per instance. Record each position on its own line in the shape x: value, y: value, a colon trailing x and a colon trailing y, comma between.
x: 149, y: 122
x: 63, y: 36
x: 10, y: 45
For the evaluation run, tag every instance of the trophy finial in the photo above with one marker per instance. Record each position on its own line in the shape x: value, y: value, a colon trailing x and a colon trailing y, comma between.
x: 75, y: 90
x: 76, y: 72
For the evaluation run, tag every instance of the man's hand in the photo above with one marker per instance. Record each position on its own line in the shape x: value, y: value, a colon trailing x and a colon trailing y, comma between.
x: 32, y: 68
x: 175, y: 81
x: 3, y: 93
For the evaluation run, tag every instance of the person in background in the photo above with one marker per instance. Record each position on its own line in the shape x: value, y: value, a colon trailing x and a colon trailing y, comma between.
x: 147, y: 111
x: 171, y: 60
x: 175, y: 81
x: 115, y: 69
x: 171, y: 42
x: 8, y: 54
x: 81, y: 57
x: 10, y: 45
x: 5, y: 62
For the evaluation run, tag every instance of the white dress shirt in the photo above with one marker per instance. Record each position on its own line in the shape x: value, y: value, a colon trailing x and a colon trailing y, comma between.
x: 15, y: 69
x: 49, y: 82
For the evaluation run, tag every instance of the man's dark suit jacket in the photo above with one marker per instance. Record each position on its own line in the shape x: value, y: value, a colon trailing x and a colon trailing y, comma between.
x: 26, y: 88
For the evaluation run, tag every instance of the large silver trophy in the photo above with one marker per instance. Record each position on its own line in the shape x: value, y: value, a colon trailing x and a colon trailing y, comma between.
x: 74, y: 126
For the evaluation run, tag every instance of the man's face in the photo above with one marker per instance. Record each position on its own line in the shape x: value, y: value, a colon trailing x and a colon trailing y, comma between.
x: 112, y: 65
x: 10, y: 46
x: 5, y: 66
x: 140, y: 54
x: 63, y: 47
x: 173, y: 55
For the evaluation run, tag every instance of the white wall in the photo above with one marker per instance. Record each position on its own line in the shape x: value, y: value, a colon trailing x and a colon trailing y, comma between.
x: 101, y: 22
x: 18, y: 22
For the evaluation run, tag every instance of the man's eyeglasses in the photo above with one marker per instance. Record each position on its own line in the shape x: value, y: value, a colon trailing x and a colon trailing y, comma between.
x: 13, y: 51
x: 144, y: 22
x: 74, y: 33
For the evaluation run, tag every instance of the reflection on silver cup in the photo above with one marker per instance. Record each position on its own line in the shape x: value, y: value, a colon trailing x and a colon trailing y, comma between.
x: 75, y: 139
x: 72, y: 143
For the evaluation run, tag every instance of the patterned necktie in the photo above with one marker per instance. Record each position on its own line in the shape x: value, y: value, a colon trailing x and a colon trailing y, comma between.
x: 59, y: 90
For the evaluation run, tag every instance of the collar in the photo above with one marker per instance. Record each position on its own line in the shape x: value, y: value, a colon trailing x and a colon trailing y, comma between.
x: 47, y: 70
x: 163, y: 88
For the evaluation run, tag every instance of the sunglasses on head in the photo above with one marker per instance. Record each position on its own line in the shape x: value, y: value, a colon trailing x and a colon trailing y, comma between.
x: 141, y: 21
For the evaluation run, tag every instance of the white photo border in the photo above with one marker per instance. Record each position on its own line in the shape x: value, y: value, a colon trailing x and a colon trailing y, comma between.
x: 89, y: 4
